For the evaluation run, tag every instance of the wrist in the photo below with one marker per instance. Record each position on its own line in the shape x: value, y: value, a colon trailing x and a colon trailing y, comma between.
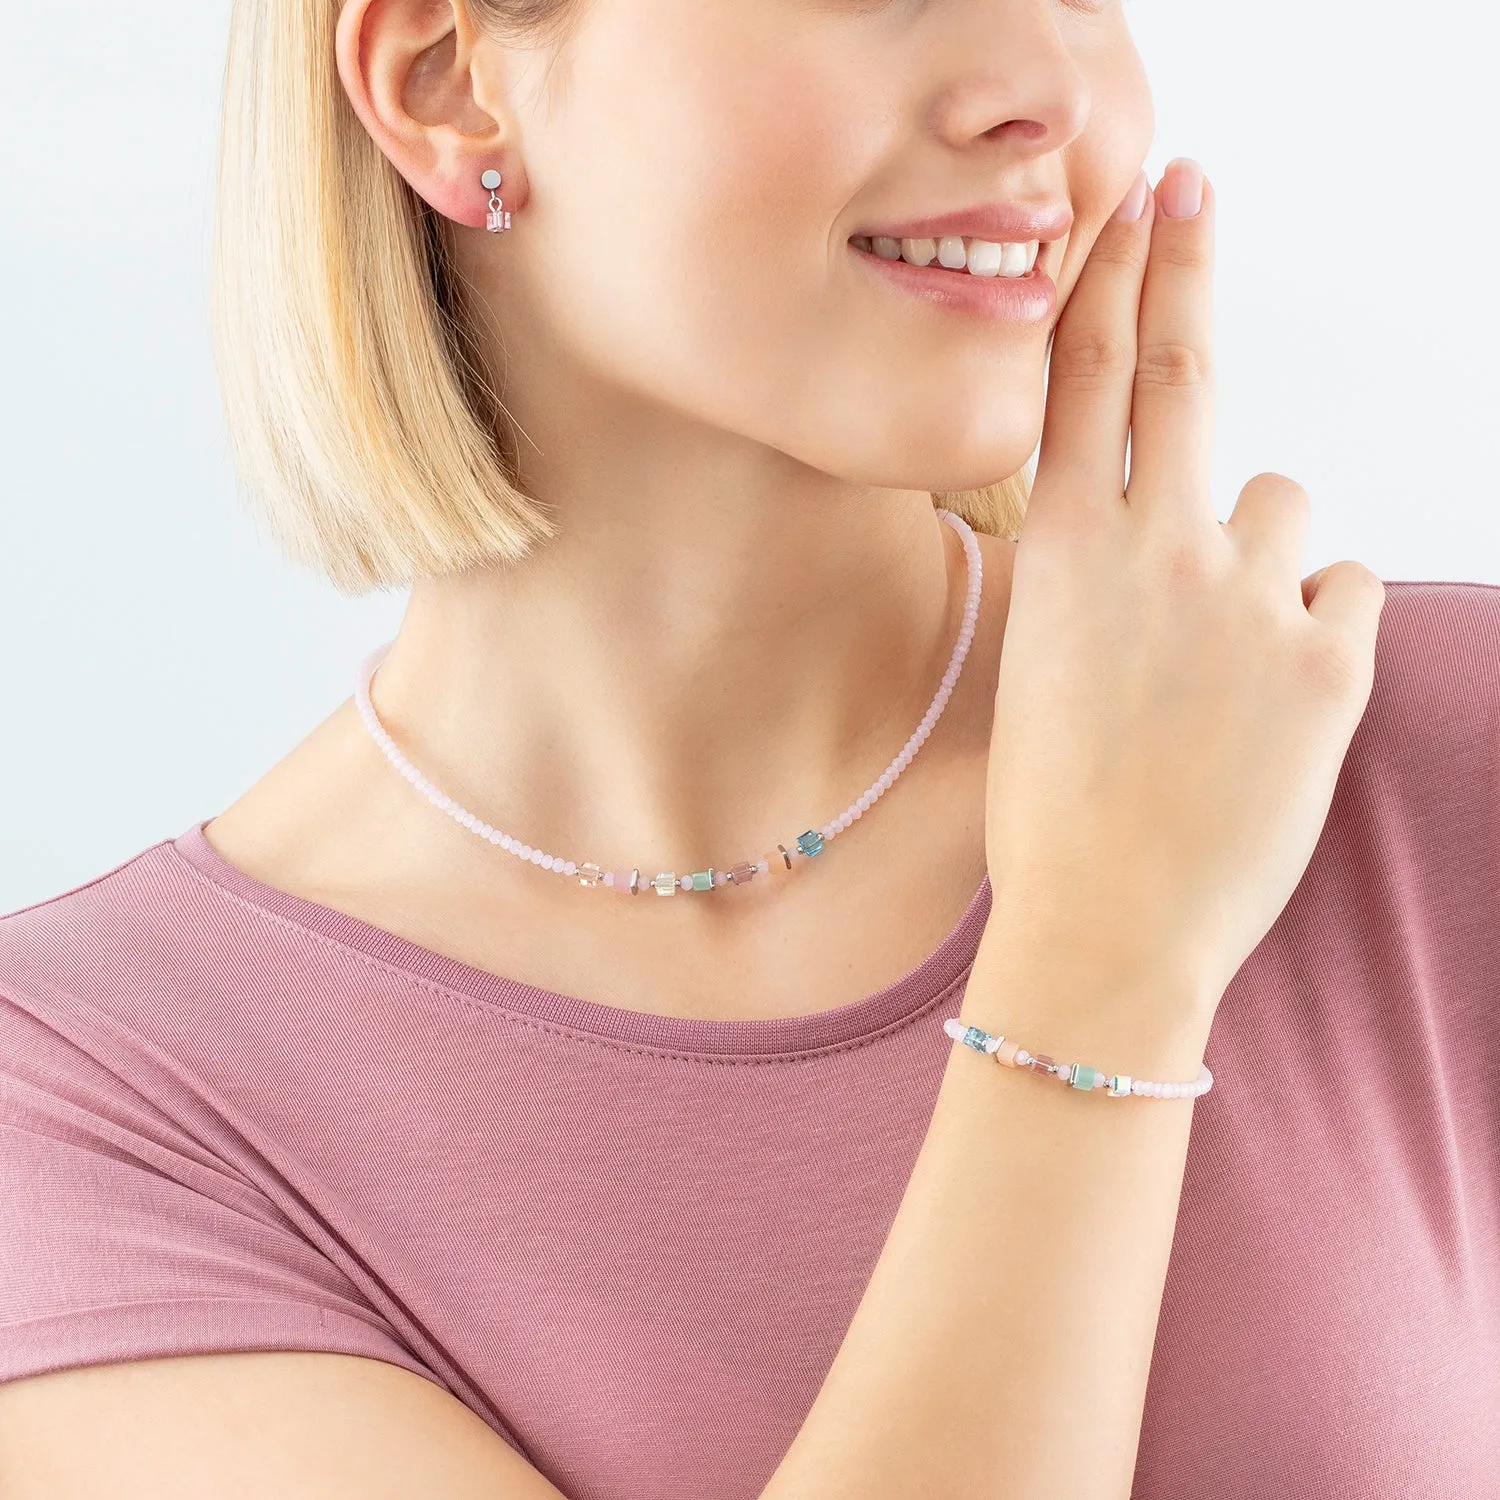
x: 1092, y: 958
x: 1121, y: 1015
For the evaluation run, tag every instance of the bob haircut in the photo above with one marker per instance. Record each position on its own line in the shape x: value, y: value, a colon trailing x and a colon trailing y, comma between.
x: 361, y: 420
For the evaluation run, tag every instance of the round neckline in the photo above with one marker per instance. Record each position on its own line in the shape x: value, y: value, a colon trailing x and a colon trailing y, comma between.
x: 763, y: 1036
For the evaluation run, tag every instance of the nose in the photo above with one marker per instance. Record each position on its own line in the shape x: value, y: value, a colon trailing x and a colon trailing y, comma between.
x: 1015, y: 78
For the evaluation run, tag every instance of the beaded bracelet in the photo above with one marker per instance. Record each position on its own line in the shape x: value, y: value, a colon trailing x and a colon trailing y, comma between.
x: 1079, y: 1075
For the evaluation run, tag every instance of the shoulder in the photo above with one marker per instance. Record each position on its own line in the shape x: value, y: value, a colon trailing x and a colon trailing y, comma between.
x: 115, y: 887
x: 1441, y: 639
x: 86, y: 939
x: 1416, y: 813
x: 1435, y: 701
x: 105, y: 986
x: 140, y: 1218
x: 82, y: 971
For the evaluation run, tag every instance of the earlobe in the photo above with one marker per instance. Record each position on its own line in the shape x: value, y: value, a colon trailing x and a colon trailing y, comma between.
x: 406, y: 68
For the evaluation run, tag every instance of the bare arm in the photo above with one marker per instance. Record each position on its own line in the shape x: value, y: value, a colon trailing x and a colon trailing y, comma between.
x: 1002, y: 1347
x: 293, y: 1425
x: 1172, y: 710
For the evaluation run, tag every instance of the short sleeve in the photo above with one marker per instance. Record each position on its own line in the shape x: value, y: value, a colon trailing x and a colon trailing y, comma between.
x: 122, y: 1237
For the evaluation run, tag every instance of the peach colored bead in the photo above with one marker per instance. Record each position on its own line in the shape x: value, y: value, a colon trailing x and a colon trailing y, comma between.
x: 1006, y: 1053
x: 778, y: 859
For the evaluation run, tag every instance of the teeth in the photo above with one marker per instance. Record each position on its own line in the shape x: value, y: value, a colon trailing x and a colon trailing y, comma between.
x: 977, y: 257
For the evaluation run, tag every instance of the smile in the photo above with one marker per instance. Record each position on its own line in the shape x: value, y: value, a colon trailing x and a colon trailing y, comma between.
x: 956, y: 252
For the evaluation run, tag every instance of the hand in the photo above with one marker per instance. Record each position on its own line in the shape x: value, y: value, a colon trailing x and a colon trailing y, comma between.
x: 1173, y: 702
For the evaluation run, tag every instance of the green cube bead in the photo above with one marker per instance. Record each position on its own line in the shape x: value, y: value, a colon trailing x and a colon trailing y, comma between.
x: 703, y: 880
x: 1085, y: 1077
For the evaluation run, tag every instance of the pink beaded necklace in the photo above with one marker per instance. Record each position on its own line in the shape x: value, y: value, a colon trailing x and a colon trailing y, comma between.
x: 779, y: 860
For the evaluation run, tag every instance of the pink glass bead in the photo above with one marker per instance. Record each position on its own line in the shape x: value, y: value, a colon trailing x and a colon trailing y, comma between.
x: 1039, y: 1062
x: 742, y: 873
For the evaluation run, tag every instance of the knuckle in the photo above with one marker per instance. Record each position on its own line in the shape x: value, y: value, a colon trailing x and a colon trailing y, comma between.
x: 1268, y: 505
x: 1280, y: 486
x: 1121, y: 251
x: 1170, y: 362
x: 1282, y: 483
x: 1182, y: 252
x: 1358, y: 574
x: 1089, y: 355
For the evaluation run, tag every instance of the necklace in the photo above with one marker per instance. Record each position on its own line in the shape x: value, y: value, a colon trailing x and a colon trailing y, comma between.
x: 778, y: 861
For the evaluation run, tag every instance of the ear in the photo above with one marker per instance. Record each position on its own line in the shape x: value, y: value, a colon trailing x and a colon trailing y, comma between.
x: 422, y: 80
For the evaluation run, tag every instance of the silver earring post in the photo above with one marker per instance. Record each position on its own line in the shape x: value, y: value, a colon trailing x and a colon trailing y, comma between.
x: 499, y: 216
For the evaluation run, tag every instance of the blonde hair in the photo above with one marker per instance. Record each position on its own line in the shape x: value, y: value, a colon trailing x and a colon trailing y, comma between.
x: 363, y: 426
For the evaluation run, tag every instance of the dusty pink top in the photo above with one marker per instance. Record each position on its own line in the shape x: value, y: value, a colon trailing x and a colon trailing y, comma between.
x: 232, y: 1119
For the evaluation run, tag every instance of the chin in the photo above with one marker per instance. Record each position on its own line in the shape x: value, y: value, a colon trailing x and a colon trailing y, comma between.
x: 942, y: 472
x: 868, y: 428
x: 942, y: 453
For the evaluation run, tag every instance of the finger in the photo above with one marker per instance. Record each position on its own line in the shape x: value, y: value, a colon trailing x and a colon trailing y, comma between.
x: 1092, y: 363
x: 1270, y: 523
x: 1345, y: 595
x: 1171, y: 419
x: 1347, y: 598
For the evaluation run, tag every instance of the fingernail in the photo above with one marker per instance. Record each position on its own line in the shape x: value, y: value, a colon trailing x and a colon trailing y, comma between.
x: 1182, y: 188
x: 1134, y: 202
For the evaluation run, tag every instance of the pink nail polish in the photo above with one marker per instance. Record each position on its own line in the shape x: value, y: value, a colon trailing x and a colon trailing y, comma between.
x: 1133, y: 205
x: 1182, y: 188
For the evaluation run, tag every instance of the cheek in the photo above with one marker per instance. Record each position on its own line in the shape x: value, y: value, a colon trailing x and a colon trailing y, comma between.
x: 727, y: 123
x: 1103, y: 161
x: 699, y: 167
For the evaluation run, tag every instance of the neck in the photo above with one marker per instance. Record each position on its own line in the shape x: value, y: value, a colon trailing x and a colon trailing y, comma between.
x: 685, y: 678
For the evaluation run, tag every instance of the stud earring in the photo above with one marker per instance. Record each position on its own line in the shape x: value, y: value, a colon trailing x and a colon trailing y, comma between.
x: 499, y: 215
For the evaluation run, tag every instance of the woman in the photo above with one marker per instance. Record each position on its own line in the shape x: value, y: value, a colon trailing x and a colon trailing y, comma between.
x: 388, y: 1133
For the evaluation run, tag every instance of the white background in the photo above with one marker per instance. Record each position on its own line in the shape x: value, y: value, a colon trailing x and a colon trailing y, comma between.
x: 156, y: 657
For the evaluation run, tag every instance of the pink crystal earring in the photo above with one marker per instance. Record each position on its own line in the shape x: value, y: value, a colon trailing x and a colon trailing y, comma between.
x: 499, y: 215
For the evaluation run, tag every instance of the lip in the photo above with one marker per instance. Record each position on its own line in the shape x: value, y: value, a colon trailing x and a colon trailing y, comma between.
x: 1010, y: 299
x: 1004, y: 223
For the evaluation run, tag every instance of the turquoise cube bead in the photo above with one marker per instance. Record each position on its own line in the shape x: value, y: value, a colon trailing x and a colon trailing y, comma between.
x: 1085, y: 1077
x: 810, y: 842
